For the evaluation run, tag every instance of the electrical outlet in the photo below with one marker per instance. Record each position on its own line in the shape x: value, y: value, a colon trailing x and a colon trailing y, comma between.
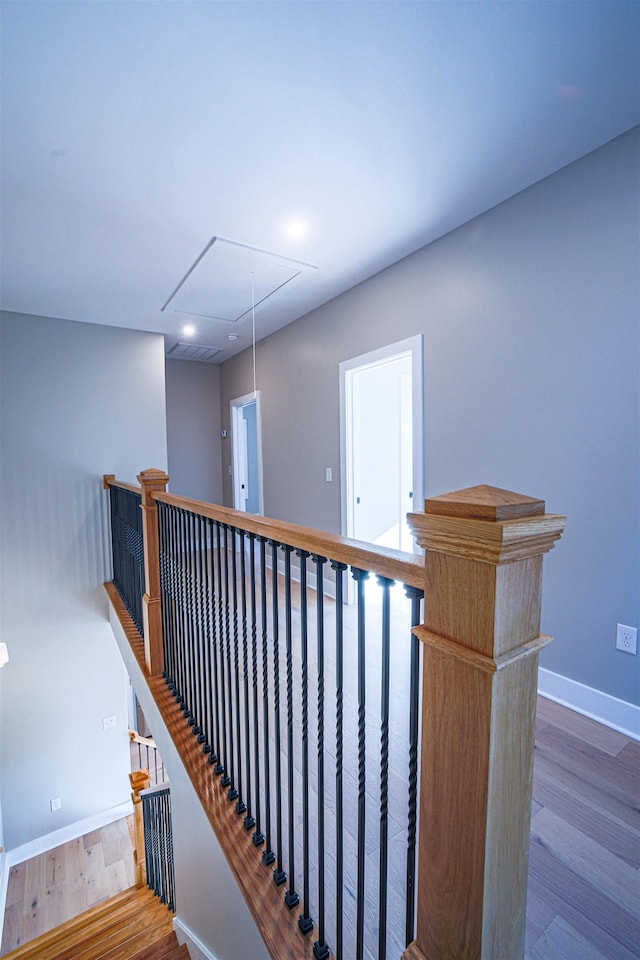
x: 56, y: 803
x: 627, y: 638
x: 108, y: 723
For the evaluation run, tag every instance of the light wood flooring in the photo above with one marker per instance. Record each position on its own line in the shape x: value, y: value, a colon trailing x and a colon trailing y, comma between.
x: 54, y: 887
x: 584, y: 877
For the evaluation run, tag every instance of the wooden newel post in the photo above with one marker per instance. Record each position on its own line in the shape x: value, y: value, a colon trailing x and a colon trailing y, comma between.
x: 152, y: 481
x: 481, y: 638
x: 140, y: 781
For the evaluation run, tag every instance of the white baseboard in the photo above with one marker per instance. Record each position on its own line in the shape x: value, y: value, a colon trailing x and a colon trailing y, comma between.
x: 617, y: 714
x: 195, y: 946
x: 51, y: 840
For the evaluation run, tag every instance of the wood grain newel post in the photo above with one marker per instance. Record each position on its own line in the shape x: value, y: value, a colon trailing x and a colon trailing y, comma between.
x: 139, y: 780
x: 152, y: 481
x: 481, y: 640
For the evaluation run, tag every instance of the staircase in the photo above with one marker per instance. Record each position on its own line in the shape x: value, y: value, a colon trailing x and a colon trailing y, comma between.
x: 133, y: 925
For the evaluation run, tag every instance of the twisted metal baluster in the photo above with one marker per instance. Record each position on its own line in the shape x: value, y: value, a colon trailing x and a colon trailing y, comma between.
x: 320, y: 948
x: 235, y: 793
x: 360, y: 576
x: 227, y: 779
x: 258, y: 836
x: 214, y: 742
x: 249, y: 821
x: 279, y: 875
x: 291, y: 897
x: 209, y: 615
x: 222, y: 750
x: 415, y: 595
x: 166, y: 596
x: 199, y: 625
x: 305, y: 921
x: 189, y: 704
x: 183, y: 693
x: 268, y: 856
x: 339, y: 569
x: 386, y: 585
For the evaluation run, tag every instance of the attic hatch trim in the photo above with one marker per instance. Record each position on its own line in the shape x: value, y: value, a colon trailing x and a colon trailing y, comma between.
x: 303, y: 265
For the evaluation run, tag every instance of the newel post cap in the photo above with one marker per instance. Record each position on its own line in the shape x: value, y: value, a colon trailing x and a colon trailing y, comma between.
x: 152, y: 480
x: 486, y: 523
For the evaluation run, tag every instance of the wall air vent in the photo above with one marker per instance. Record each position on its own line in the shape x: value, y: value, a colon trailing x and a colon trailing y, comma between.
x: 191, y: 351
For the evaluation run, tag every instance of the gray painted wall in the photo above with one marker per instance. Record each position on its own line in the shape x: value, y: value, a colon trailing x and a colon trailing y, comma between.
x: 531, y: 354
x: 193, y: 429
x: 77, y: 401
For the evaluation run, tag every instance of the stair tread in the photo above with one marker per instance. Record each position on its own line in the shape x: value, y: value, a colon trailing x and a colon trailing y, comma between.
x: 97, y: 923
x: 151, y: 922
x: 166, y: 948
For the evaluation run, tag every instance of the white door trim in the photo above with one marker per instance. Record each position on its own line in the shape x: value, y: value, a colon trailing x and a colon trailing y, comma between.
x: 237, y: 436
x: 413, y: 346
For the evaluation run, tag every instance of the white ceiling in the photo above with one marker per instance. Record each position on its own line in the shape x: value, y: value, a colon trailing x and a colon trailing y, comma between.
x: 134, y: 132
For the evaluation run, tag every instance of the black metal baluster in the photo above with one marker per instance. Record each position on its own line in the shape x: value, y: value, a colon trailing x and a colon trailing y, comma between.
x: 180, y: 633
x: 188, y: 621
x: 170, y: 592
x: 164, y: 592
x: 339, y: 569
x: 268, y: 856
x: 222, y: 726
x: 415, y: 595
x: 201, y: 719
x: 258, y: 836
x: 291, y: 898
x: 203, y: 733
x: 227, y: 779
x: 193, y: 621
x: 235, y: 793
x: 360, y: 576
x: 305, y: 921
x: 207, y: 613
x: 249, y: 821
x: 320, y: 948
x: 386, y: 585
x: 196, y: 581
x: 212, y: 627
x: 279, y: 875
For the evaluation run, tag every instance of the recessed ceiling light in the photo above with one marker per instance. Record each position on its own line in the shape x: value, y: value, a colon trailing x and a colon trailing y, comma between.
x: 188, y: 330
x: 232, y: 336
x: 296, y: 228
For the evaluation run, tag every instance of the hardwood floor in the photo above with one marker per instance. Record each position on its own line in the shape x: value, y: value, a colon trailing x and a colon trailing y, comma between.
x: 584, y: 876
x: 49, y: 889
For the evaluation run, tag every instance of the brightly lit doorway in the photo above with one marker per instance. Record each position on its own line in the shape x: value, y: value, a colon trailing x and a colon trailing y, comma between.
x: 381, y: 399
x: 247, y: 453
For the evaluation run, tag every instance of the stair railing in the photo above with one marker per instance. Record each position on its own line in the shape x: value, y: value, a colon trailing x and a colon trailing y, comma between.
x: 240, y: 606
x: 153, y: 855
x: 145, y: 752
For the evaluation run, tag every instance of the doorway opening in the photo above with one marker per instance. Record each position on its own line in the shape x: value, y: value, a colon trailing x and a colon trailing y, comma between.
x: 381, y: 399
x: 246, y: 434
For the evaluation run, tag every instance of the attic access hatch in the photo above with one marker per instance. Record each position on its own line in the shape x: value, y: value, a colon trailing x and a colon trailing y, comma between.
x: 228, y: 279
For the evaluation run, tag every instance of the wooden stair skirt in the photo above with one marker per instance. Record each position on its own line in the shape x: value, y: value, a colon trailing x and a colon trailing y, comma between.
x: 134, y: 925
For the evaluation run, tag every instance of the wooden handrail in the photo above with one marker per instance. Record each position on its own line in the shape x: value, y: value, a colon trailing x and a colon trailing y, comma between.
x: 397, y: 565
x: 109, y: 480
x: 144, y: 741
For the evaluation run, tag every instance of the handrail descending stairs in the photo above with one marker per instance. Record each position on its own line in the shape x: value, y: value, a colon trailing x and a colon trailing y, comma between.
x: 297, y: 716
